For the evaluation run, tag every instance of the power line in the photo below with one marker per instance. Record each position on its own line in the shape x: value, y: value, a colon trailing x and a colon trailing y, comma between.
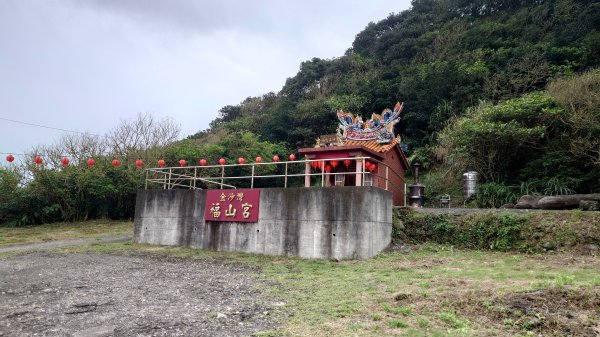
x: 15, y: 154
x: 49, y: 127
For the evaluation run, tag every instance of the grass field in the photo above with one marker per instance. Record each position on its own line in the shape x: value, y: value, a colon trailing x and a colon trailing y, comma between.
x: 64, y: 231
x: 434, y: 290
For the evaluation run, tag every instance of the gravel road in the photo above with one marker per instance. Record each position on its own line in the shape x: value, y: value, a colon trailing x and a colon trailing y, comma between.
x: 44, y: 294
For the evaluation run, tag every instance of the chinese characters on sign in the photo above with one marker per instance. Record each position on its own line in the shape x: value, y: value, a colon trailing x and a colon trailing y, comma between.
x: 232, y: 205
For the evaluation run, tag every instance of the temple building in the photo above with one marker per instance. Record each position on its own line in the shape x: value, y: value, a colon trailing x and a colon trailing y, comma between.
x: 361, y: 153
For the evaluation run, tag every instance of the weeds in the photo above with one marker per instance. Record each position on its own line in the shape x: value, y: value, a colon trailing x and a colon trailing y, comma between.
x: 564, y: 280
x: 398, y: 310
x: 452, y: 320
x: 395, y: 323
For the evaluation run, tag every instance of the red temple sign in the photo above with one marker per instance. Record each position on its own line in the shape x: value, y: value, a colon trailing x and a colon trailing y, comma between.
x: 232, y: 205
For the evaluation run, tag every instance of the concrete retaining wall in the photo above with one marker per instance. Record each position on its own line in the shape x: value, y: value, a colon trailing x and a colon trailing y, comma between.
x: 332, y: 223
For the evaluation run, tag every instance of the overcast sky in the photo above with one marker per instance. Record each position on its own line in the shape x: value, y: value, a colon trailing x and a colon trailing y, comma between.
x: 83, y: 65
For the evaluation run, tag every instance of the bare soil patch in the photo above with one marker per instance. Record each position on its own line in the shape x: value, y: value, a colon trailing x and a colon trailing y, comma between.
x: 554, y: 311
x: 114, y: 295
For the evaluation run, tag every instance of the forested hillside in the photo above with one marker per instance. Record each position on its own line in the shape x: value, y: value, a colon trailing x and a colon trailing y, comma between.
x: 450, y: 60
x: 508, y: 88
x: 439, y: 57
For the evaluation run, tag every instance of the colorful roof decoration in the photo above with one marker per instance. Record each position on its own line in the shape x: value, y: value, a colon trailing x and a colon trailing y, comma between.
x: 379, y: 128
x: 374, y: 145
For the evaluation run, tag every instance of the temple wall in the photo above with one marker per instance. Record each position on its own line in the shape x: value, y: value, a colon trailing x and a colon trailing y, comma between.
x: 329, y: 223
x: 396, y: 184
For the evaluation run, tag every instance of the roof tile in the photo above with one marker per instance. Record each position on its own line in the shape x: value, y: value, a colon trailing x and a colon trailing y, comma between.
x: 374, y: 145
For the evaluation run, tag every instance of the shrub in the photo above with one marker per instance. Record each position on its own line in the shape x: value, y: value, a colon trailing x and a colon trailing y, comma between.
x: 494, y: 195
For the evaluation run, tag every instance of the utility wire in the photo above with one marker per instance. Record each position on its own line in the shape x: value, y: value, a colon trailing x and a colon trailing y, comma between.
x: 49, y: 127
x: 15, y: 154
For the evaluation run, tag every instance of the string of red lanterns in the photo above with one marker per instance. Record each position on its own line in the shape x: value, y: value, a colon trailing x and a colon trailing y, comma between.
x: 328, y: 166
x: 38, y: 160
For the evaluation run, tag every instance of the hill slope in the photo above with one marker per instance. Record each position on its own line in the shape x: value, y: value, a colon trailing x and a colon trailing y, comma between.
x: 440, y: 57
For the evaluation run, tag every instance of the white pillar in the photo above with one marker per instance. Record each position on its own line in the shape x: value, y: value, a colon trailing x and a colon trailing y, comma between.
x: 306, y: 174
x: 359, y: 165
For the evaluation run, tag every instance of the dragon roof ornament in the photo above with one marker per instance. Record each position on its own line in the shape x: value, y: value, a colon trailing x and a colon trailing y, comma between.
x: 380, y: 127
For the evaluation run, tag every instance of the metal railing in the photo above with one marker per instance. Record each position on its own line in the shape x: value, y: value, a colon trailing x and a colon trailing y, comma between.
x: 214, y: 176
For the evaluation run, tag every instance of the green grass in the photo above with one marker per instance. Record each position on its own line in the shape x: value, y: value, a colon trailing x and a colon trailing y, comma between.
x: 450, y: 318
x: 395, y: 323
x: 64, y: 231
x: 436, y: 290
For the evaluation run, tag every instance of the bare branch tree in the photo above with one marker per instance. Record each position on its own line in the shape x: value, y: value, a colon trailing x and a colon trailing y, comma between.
x: 76, y: 147
x: 142, y: 138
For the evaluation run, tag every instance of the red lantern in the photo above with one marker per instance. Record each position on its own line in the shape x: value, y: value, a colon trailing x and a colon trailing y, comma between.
x: 222, y: 161
x: 334, y: 163
x: 275, y: 158
x: 161, y: 163
x: 10, y: 158
x: 38, y: 160
x: 115, y: 163
x: 259, y: 159
x: 182, y: 163
x: 292, y: 157
x: 372, y: 167
x: 314, y: 164
x: 241, y: 160
x: 202, y: 162
x: 367, y: 164
x: 328, y: 168
x: 65, y: 161
x: 139, y: 163
x: 347, y: 162
x: 91, y: 162
x: 319, y: 164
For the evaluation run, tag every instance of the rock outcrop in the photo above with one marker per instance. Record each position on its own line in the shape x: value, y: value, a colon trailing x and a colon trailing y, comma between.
x: 528, y: 201
x: 565, y: 201
x: 586, y: 202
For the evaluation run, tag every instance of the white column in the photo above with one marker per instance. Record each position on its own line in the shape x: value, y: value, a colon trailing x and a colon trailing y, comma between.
x: 359, y: 165
x: 307, y: 172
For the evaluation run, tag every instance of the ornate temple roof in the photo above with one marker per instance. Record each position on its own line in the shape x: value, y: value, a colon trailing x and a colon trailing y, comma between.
x: 374, y: 136
x: 379, y: 127
x: 374, y: 145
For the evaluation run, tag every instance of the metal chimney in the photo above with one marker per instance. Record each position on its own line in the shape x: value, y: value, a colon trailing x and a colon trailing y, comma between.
x: 416, y: 190
x: 469, y: 184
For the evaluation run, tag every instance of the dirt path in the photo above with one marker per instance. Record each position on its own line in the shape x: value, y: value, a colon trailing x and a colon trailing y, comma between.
x: 111, y: 295
x: 62, y: 243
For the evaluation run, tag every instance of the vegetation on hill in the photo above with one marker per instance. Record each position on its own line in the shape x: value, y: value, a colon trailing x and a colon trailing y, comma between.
x: 440, y: 57
x: 490, y: 86
x: 508, y: 88
x: 530, y: 232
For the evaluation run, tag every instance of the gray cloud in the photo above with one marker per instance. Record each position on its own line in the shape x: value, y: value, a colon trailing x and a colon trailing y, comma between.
x: 83, y: 65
